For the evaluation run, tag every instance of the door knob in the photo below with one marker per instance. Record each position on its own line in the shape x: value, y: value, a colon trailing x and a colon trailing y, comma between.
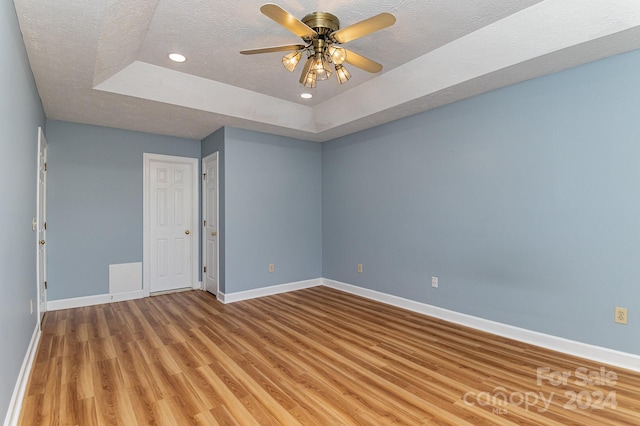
x: 41, y: 242
x: 187, y: 232
x: 214, y: 233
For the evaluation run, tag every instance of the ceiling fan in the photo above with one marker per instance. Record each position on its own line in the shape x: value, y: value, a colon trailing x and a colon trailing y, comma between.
x: 322, y: 34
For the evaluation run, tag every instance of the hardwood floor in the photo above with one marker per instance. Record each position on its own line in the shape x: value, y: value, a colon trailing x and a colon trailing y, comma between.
x: 316, y: 356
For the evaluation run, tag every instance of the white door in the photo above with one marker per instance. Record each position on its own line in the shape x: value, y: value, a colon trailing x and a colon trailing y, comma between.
x: 41, y: 225
x: 172, y: 203
x: 210, y: 222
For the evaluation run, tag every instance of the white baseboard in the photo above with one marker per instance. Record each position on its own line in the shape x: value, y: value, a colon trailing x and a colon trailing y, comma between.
x: 100, y: 299
x: 583, y: 350
x: 571, y: 347
x: 267, y: 291
x: 15, y: 405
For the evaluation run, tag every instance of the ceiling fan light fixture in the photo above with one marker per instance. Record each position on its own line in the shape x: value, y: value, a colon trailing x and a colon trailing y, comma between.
x: 338, y: 54
x: 321, y: 34
x: 310, y: 80
x: 291, y: 60
x: 342, y: 74
x: 308, y: 77
x: 321, y: 67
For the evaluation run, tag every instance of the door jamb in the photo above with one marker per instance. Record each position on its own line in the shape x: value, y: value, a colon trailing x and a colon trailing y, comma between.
x: 39, y: 273
x: 204, y: 206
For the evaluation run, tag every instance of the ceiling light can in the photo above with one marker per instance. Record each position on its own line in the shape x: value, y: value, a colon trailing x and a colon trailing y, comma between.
x: 177, y: 57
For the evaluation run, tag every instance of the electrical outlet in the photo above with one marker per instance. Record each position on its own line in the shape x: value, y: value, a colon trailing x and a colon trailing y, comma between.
x: 272, y: 267
x: 360, y: 268
x: 621, y: 315
x: 434, y: 282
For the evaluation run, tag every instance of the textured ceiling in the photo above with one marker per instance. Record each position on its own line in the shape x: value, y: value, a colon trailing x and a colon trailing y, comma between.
x: 105, y: 62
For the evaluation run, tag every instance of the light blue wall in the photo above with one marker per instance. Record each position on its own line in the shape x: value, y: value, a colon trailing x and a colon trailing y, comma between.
x: 95, y: 202
x: 523, y: 201
x: 273, y: 210
x: 20, y: 115
x: 215, y: 143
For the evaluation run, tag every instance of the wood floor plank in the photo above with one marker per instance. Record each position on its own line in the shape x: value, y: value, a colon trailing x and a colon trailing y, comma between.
x: 311, y: 357
x: 229, y: 395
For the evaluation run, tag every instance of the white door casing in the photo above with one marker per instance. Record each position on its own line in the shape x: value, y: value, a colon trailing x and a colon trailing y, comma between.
x: 210, y: 222
x: 41, y: 226
x: 170, y: 231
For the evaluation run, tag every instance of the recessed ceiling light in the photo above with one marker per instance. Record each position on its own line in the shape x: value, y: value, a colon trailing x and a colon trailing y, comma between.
x: 176, y: 57
x: 306, y: 96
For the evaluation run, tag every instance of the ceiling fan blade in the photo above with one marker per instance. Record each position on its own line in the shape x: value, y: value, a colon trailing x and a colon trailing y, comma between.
x: 288, y: 21
x: 284, y: 48
x: 363, y: 28
x: 361, y: 62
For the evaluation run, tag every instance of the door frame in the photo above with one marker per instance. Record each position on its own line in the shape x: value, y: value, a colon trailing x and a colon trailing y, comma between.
x: 41, y: 212
x: 204, y: 208
x: 146, y: 210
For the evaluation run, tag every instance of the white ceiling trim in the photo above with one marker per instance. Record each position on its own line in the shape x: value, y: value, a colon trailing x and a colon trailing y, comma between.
x: 543, y: 28
x: 154, y: 83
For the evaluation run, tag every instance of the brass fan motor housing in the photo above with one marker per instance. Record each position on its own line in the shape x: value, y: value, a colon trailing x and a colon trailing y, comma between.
x: 322, y: 22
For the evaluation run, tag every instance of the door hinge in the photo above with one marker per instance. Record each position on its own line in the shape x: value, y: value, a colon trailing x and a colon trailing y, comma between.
x: 45, y: 226
x: 45, y: 167
x: 45, y: 285
x: 204, y: 176
x: 204, y: 223
x: 205, y: 269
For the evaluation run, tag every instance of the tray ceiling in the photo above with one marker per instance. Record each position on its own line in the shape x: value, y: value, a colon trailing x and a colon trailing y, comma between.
x: 105, y: 62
